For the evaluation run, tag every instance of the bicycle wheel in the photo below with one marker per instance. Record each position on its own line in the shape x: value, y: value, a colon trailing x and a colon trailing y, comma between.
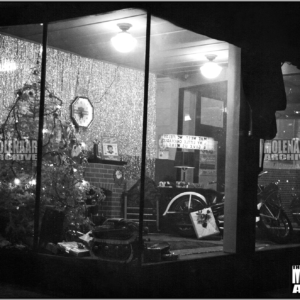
x: 275, y: 224
x: 184, y: 205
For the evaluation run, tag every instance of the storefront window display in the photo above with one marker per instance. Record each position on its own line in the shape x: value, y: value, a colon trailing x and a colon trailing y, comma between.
x: 281, y: 163
x: 191, y: 113
x: 20, y: 108
x: 98, y: 76
x: 99, y: 137
x: 92, y: 126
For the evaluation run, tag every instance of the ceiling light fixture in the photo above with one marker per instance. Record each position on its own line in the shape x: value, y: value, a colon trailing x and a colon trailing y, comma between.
x: 124, y: 42
x: 187, y: 117
x: 210, y: 69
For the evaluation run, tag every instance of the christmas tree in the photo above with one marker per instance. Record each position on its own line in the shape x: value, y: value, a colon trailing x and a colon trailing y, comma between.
x: 64, y: 159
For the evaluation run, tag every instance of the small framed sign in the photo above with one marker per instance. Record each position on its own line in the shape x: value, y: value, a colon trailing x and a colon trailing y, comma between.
x: 204, y: 223
x: 110, y: 148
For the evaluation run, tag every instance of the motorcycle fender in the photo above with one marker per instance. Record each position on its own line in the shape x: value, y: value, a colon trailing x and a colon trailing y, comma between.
x: 180, y: 195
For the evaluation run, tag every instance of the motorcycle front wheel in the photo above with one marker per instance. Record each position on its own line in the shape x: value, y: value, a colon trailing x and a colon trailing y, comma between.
x: 275, y: 224
x: 183, y: 206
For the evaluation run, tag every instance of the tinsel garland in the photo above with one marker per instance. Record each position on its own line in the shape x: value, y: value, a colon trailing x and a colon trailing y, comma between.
x: 116, y: 92
x: 133, y: 168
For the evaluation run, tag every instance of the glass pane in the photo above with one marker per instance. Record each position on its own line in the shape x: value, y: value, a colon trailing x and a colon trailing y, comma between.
x: 20, y: 77
x: 93, y: 132
x: 189, y: 153
x: 279, y: 188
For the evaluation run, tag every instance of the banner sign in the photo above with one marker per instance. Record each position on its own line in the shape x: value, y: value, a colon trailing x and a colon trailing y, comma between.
x: 287, y: 150
x: 186, y: 142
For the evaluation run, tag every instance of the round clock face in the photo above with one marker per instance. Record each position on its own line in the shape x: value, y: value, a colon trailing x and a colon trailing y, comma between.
x: 82, y: 111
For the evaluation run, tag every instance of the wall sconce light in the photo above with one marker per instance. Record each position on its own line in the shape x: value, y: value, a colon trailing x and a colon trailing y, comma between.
x: 7, y: 65
x: 124, y: 42
x: 210, y: 69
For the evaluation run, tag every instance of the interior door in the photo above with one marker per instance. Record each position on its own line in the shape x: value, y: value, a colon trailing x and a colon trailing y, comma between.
x: 211, y: 122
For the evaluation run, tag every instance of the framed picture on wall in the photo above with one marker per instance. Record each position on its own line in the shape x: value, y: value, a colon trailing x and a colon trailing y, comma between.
x: 110, y: 148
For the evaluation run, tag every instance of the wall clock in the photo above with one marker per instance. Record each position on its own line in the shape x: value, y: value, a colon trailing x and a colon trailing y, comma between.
x: 82, y: 112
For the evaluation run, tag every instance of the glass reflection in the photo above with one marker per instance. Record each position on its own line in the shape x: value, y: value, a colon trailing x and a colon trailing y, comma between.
x: 20, y: 85
x: 278, y: 182
x: 191, y: 139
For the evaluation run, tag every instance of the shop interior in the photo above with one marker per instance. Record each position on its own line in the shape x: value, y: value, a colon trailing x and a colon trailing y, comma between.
x: 94, y: 105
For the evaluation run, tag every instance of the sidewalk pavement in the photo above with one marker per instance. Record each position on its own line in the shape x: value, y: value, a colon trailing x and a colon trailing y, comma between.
x: 9, y: 291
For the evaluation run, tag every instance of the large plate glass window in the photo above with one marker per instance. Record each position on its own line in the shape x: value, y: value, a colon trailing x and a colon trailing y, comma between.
x: 190, y: 121
x: 92, y: 135
x: 95, y: 72
x: 278, y: 192
x: 20, y: 87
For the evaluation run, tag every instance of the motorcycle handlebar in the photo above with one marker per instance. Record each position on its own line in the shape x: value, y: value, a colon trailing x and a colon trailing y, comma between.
x: 262, y: 173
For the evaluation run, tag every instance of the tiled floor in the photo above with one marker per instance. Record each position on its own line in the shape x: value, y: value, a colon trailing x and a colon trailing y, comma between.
x: 215, y: 244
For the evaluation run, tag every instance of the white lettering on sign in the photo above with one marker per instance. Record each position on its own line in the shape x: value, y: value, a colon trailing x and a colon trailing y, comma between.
x: 18, y: 149
x: 287, y: 150
x: 186, y: 142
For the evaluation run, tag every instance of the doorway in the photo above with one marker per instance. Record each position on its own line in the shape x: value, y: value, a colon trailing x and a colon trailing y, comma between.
x: 202, y: 112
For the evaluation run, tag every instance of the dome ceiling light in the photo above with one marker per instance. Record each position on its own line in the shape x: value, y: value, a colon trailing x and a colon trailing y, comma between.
x: 124, y: 42
x: 210, y: 69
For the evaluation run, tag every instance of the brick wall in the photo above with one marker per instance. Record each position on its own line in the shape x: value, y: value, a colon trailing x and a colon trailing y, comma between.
x: 101, y: 175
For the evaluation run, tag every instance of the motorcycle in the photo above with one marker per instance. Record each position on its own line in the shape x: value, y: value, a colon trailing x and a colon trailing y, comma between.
x: 272, y: 220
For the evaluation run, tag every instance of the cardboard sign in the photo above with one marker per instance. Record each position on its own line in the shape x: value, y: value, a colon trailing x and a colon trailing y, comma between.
x: 204, y: 223
x: 186, y: 142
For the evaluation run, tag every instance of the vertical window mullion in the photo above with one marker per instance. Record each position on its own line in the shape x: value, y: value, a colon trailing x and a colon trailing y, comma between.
x: 40, y: 138
x: 144, y: 142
